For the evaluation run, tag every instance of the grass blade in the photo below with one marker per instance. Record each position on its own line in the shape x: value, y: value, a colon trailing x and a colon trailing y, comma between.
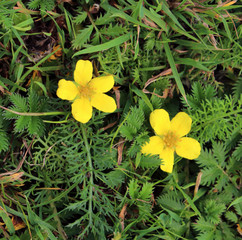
x: 101, y: 47
x: 173, y: 67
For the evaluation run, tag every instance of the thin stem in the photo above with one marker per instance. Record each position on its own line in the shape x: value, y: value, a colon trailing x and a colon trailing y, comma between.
x: 91, y: 172
x: 33, y: 114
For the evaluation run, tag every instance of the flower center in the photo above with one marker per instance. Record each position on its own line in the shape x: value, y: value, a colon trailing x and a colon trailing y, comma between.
x: 170, y: 140
x: 85, y: 91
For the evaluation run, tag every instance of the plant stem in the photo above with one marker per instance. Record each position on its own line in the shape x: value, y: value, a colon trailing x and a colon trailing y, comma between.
x: 91, y: 172
x: 33, y: 114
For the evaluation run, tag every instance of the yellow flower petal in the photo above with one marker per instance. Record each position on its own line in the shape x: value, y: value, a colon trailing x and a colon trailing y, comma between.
x: 67, y: 90
x: 160, y: 121
x: 181, y: 124
x: 167, y: 157
x: 103, y: 102
x: 83, y: 72
x: 82, y: 110
x: 188, y: 148
x: 154, y: 146
x: 102, y: 84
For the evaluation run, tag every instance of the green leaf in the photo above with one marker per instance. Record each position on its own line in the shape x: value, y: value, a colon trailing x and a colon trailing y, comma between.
x: 133, y: 188
x: 203, y: 225
x: 173, y: 67
x: 21, y: 123
x: 231, y: 216
x: 35, y: 126
x: 192, y: 62
x: 7, y: 220
x: 82, y: 37
x: 115, y: 178
x: 156, y: 18
x: 9, y: 82
x: 171, y: 15
x: 236, y: 201
x: 42, y: 86
x: 150, y: 161
x: 3, y: 140
x: 80, y: 17
x: 19, y: 102
x: 112, y: 43
x: 172, y: 201
x: 188, y: 199
x: 141, y: 94
x: 128, y: 131
x: 146, y: 191
x: 214, y: 210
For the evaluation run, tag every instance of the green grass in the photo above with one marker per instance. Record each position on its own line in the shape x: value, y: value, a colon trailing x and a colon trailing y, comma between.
x: 61, y: 179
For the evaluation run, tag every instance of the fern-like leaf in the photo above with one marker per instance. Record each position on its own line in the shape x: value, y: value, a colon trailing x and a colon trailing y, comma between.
x: 21, y: 123
x: 80, y: 17
x: 231, y: 216
x: 213, y: 210
x: 19, y: 102
x: 238, y: 151
x: 172, y: 201
x: 146, y: 191
x: 82, y: 37
x: 213, y: 163
x: 133, y: 123
x: 133, y: 188
x: 202, y: 225
x: 46, y: 5
x: 36, y: 126
x: 113, y: 31
x: 237, y: 89
x: 150, y: 161
x: 4, y: 143
x: 115, y: 178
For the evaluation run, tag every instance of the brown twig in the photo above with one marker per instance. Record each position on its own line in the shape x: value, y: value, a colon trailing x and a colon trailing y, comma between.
x: 20, y: 163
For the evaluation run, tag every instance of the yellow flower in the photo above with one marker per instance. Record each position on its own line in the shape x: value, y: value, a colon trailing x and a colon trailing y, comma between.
x: 86, y: 92
x: 170, y: 138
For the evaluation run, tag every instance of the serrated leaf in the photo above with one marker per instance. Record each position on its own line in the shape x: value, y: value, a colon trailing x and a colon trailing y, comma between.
x: 115, y: 178
x: 103, y: 20
x: 19, y: 102
x: 203, y: 225
x: 113, y: 31
x: 4, y: 143
x: 21, y: 123
x: 146, y: 191
x: 237, y: 203
x: 82, y: 37
x: 128, y: 132
x: 150, y: 161
x: 35, y: 125
x: 171, y: 201
x: 205, y: 236
x: 238, y: 152
x: 210, y: 175
x: 133, y: 188
x: 214, y: 210
x: 219, y: 151
x: 231, y: 216
x: 80, y: 17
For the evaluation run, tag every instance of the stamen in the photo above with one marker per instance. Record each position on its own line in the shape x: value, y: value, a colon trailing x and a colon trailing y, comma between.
x: 85, y: 91
x: 170, y: 140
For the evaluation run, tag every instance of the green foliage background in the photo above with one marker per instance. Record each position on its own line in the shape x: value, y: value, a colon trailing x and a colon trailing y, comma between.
x: 90, y: 181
